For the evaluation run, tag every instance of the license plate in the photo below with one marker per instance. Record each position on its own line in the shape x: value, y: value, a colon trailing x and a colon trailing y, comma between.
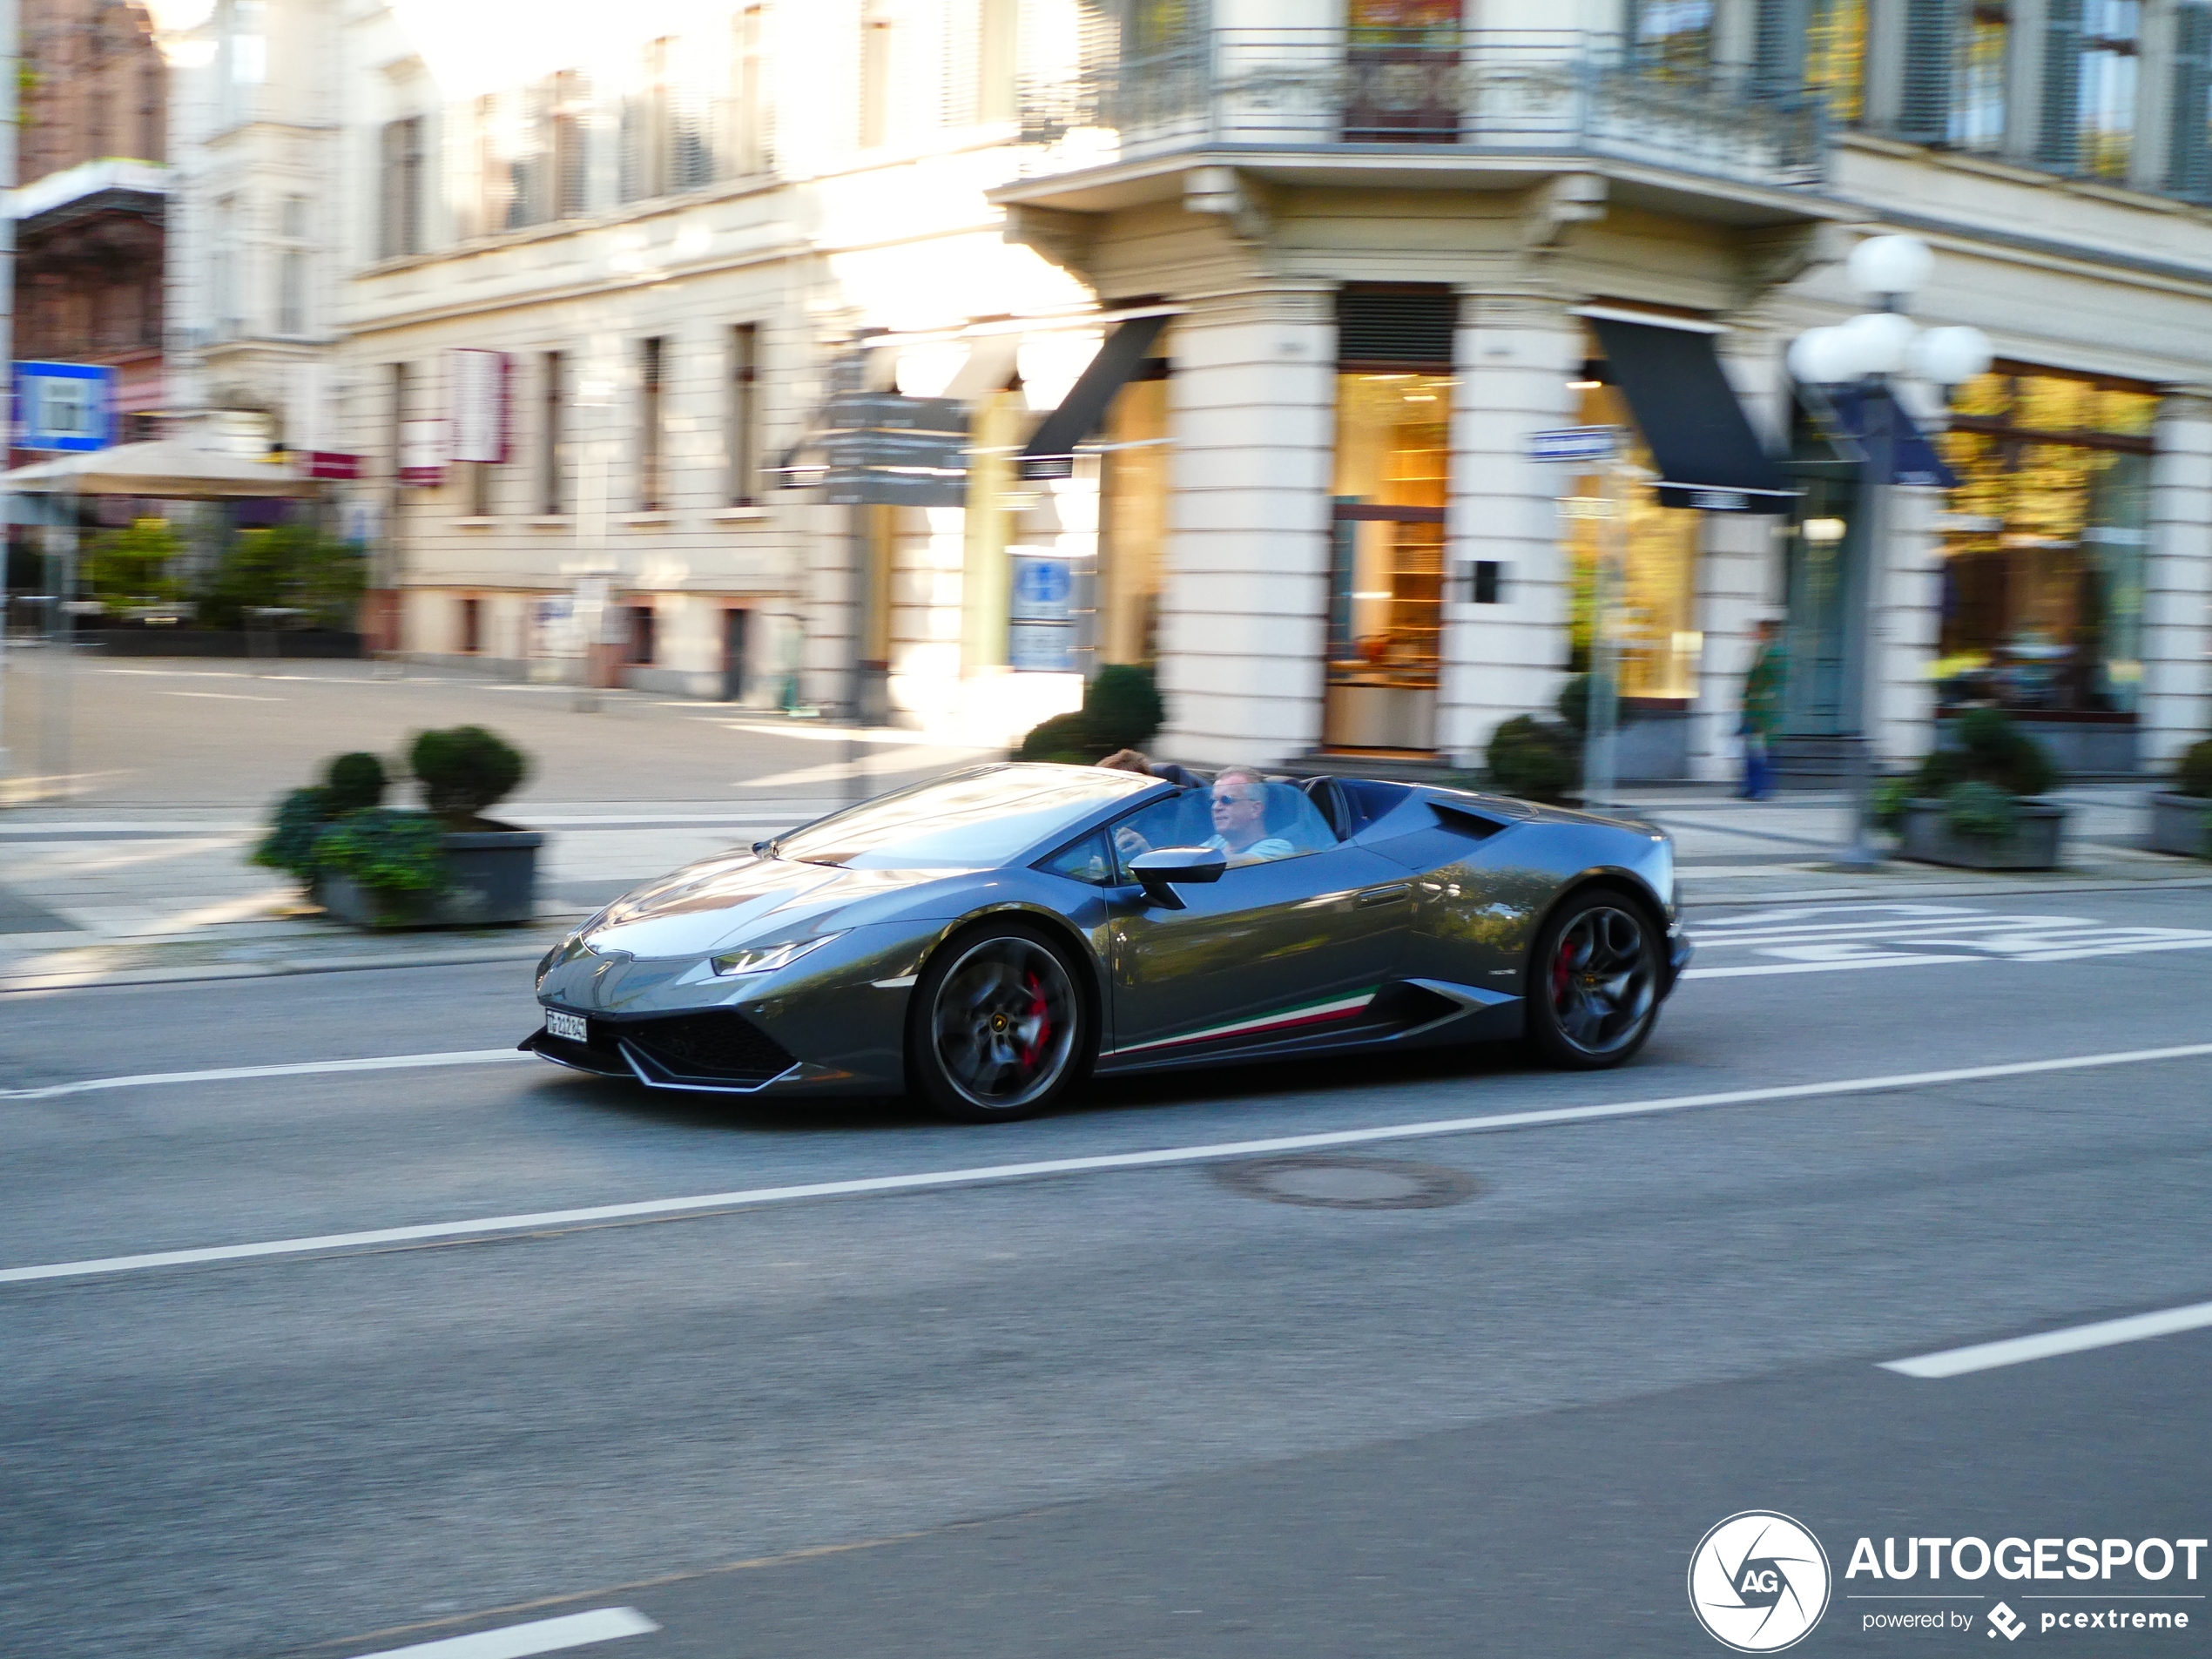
x: 571, y: 1026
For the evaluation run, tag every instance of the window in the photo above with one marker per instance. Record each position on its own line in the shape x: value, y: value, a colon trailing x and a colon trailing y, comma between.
x: 752, y: 91
x: 744, y: 415
x: 2044, y: 543
x: 571, y: 179
x: 1252, y: 819
x: 651, y: 482
x: 1836, y: 57
x: 1386, y: 555
x: 997, y: 55
x: 875, y: 79
x: 641, y: 636
x: 2111, y: 32
x: 1133, y: 509
x: 472, y: 621
x: 399, y: 189
x: 292, y: 267
x: 1657, y: 643
x: 1089, y: 861
x: 479, y: 488
x: 1674, y: 38
x: 222, y: 270
x: 2188, y: 152
x: 552, y: 438
x: 1977, y: 115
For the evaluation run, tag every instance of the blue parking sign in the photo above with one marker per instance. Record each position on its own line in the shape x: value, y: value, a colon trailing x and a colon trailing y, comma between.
x: 64, y: 406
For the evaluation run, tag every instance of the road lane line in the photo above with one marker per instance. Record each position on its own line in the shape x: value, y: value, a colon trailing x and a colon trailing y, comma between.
x: 984, y: 1174
x: 1987, y: 1356
x: 540, y: 1635
x: 296, y: 1068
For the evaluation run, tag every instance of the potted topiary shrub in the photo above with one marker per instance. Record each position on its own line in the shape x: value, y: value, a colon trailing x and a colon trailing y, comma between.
x: 446, y: 865
x: 1534, y: 758
x: 1978, y: 807
x: 1121, y: 710
x: 2181, y: 818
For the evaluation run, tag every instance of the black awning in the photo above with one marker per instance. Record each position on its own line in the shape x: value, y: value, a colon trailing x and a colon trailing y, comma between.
x: 1914, y: 458
x: 1707, y: 454
x: 1050, y: 452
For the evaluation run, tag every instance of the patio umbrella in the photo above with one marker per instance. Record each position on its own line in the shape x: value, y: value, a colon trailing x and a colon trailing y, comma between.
x: 160, y: 470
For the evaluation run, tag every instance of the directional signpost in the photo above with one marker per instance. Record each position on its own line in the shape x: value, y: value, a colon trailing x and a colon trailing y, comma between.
x: 1597, y: 446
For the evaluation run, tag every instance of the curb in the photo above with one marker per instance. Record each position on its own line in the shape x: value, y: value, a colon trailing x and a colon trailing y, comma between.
x: 210, y: 971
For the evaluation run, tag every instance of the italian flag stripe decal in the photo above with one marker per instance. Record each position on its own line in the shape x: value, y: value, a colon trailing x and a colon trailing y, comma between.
x: 1306, y: 1014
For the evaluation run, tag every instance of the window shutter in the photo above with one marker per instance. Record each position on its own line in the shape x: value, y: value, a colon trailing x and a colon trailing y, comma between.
x: 1778, y: 48
x: 1397, y: 325
x: 2061, y: 128
x: 2189, y: 167
x: 391, y: 183
x: 1924, y: 107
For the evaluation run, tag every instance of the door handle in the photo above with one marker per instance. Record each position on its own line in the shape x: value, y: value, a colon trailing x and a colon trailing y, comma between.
x: 1383, y: 895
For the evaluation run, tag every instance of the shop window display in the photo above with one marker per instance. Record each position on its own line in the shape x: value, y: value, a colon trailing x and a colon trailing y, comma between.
x: 2044, y: 543
x: 1387, y: 569
x: 1657, y: 637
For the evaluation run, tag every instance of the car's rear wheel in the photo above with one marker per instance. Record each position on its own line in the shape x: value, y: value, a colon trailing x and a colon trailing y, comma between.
x: 1593, y: 981
x: 998, y: 1027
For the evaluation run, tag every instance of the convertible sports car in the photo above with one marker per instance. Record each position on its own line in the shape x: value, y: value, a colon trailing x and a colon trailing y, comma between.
x: 989, y: 939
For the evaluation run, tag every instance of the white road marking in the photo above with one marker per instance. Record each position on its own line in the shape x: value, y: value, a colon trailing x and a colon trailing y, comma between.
x: 984, y: 1174
x: 540, y: 1635
x: 1839, y: 938
x: 225, y: 696
x: 1987, y: 1356
x: 296, y: 1068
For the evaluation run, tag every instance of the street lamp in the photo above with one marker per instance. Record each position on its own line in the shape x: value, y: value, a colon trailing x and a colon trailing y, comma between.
x: 1864, y: 357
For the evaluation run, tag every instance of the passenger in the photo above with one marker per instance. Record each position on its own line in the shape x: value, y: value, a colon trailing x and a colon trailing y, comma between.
x: 1240, y: 819
x: 1143, y: 766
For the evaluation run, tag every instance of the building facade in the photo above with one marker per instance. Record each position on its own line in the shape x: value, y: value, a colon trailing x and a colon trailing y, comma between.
x: 91, y: 208
x: 1250, y: 315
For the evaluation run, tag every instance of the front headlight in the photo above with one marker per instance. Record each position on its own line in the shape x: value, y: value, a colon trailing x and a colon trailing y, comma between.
x: 767, y: 958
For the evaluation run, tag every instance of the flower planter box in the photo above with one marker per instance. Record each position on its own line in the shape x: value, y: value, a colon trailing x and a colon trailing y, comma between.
x: 2182, y: 824
x: 1927, y: 839
x: 491, y: 881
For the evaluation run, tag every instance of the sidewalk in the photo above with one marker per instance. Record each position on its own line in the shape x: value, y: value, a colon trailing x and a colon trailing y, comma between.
x: 144, y: 895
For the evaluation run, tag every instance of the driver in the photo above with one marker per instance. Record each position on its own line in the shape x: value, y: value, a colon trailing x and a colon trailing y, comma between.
x: 1240, y: 819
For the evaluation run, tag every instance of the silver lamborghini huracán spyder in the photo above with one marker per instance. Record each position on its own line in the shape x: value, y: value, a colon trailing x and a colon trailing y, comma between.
x: 989, y: 939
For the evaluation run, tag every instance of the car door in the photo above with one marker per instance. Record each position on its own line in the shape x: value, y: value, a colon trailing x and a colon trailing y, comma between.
x: 1269, y: 950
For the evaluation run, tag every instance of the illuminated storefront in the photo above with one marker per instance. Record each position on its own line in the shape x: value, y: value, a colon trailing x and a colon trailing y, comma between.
x: 2044, y: 545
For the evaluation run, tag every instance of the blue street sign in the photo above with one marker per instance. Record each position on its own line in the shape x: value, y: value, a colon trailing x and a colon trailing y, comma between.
x: 1573, y: 444
x: 64, y: 406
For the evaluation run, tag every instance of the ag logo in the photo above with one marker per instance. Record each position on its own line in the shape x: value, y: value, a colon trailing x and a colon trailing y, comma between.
x: 1758, y: 1582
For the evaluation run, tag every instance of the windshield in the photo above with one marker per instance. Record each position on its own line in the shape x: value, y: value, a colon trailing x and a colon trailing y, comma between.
x: 974, y: 820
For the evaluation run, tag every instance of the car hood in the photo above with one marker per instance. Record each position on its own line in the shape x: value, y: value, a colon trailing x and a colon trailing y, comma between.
x: 741, y: 898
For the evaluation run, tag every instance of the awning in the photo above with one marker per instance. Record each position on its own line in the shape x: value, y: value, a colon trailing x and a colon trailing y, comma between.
x: 1050, y: 452
x: 1914, y: 458
x: 1707, y: 456
x: 160, y: 470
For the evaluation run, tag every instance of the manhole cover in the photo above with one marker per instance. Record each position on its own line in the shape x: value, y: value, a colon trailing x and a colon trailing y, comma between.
x: 1323, y: 1181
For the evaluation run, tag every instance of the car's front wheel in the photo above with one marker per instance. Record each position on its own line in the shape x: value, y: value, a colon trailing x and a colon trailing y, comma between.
x: 1593, y: 981
x: 998, y: 1027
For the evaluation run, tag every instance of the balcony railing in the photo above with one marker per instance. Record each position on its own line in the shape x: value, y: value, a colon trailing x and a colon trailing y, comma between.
x: 1490, y: 93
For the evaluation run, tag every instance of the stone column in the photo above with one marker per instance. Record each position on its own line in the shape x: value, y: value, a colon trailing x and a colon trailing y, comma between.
x: 2176, y: 707
x: 1515, y: 354
x: 1244, y: 613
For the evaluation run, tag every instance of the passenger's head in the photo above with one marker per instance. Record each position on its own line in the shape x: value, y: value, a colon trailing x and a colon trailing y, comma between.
x: 1239, y: 807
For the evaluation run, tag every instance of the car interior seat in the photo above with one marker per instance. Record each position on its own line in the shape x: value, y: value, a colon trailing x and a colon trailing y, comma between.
x: 1294, y: 818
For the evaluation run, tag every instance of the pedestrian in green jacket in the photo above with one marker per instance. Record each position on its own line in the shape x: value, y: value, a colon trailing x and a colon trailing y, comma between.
x: 1762, y: 709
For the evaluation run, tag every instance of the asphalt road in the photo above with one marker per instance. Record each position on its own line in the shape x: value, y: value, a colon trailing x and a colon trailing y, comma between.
x: 1130, y: 1410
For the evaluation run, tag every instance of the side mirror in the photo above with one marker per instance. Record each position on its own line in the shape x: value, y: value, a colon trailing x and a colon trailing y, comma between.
x: 1158, y: 872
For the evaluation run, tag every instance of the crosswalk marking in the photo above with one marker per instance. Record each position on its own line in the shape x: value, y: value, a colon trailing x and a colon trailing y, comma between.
x: 1833, y: 938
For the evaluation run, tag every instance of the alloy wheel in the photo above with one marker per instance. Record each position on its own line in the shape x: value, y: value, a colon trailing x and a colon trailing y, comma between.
x: 1604, y: 981
x: 1004, y: 1024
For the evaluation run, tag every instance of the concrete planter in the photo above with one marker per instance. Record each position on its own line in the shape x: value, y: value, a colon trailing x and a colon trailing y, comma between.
x: 2182, y: 824
x: 1927, y: 839
x: 491, y: 881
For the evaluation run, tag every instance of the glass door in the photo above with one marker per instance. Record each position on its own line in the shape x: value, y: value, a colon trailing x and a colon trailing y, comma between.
x: 1386, y: 561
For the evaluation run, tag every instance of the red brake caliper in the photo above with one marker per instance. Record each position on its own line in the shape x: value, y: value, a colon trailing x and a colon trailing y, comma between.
x: 1561, y: 974
x: 1039, y: 1012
